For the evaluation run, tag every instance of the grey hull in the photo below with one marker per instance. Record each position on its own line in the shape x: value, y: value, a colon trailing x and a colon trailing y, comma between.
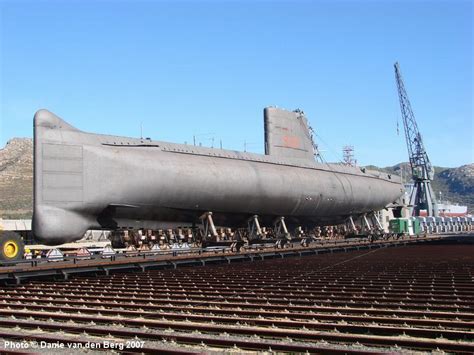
x: 85, y: 181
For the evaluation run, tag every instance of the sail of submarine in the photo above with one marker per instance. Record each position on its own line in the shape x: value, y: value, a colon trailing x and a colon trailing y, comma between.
x: 88, y: 181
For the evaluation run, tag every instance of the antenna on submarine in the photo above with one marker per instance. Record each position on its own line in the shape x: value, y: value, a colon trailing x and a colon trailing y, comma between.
x: 201, y: 135
x: 141, y: 129
x: 246, y: 145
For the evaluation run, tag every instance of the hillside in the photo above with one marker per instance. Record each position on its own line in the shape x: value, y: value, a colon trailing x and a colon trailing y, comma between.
x: 456, y: 185
x: 16, y: 180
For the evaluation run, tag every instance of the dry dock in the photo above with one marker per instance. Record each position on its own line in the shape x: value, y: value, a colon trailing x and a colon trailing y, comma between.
x: 408, y: 298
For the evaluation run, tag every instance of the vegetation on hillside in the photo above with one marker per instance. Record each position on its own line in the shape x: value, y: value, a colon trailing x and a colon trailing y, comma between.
x: 16, y: 179
x: 455, y: 185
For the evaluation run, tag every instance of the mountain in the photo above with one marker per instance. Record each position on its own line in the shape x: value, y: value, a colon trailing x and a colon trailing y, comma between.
x: 455, y: 185
x: 16, y: 180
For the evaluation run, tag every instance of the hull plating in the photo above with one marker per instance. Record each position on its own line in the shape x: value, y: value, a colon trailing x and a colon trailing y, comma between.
x: 85, y: 181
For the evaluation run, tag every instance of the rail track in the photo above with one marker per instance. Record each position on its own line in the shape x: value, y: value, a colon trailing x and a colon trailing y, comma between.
x: 16, y: 272
x: 405, y: 299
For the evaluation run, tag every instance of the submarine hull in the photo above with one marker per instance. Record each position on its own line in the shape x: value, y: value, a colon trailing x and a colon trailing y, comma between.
x: 86, y: 181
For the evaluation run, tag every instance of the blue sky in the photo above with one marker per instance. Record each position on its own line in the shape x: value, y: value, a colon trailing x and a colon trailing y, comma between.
x: 190, y: 68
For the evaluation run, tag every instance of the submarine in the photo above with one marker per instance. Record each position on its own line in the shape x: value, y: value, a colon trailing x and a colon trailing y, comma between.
x: 86, y: 181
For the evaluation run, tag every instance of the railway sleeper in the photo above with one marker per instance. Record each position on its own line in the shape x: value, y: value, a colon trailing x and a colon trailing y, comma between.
x: 249, y: 317
x: 297, y: 328
x: 266, y: 333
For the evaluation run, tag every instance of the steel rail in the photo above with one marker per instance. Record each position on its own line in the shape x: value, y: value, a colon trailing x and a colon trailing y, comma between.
x: 375, y: 298
x: 367, y: 328
x: 369, y: 340
x: 211, y: 314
